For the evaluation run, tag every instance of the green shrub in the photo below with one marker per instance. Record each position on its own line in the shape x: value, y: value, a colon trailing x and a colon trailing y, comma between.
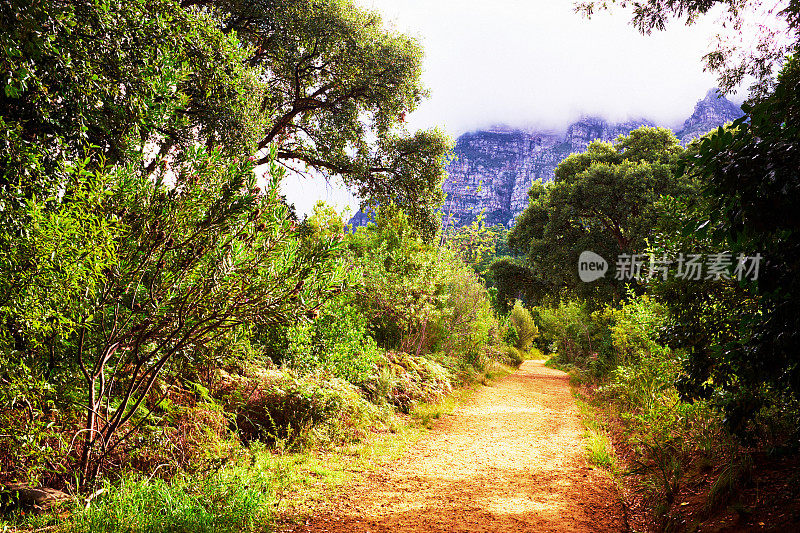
x: 536, y: 354
x: 511, y: 336
x: 403, y: 380
x: 524, y: 325
x: 636, y: 329
x: 337, y: 342
x: 281, y: 408
x: 578, y: 336
x: 418, y: 297
x: 240, y: 497
x: 512, y: 356
x: 666, y: 437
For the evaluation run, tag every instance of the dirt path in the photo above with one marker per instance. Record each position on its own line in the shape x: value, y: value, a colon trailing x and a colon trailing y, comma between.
x: 511, y: 459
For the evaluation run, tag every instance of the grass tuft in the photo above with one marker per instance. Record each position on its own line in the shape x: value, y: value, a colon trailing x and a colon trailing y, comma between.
x: 600, y: 450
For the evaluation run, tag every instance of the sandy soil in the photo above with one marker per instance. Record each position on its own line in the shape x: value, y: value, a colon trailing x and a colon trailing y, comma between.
x: 511, y: 459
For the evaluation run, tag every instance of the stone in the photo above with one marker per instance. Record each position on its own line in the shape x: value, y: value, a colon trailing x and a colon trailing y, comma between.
x: 38, y: 499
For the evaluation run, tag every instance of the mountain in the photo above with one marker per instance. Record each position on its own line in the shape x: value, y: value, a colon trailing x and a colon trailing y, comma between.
x: 711, y: 112
x: 493, y: 169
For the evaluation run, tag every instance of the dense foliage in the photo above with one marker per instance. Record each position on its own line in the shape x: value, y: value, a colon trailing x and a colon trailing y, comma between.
x: 603, y: 200
x: 692, y: 373
x: 164, y: 312
x: 162, y: 306
x: 338, y: 86
x: 752, y: 186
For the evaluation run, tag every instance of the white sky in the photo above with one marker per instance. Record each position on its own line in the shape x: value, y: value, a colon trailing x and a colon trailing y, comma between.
x: 536, y: 63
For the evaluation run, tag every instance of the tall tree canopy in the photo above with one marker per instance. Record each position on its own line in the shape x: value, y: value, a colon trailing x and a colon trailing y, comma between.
x: 325, y: 82
x: 339, y: 86
x: 602, y: 200
x: 750, y: 174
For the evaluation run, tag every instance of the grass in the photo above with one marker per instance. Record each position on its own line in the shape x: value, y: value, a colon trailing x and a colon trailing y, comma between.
x: 599, y: 449
x: 494, y: 372
x: 426, y: 413
x: 729, y: 482
x: 249, y: 495
x: 259, y: 488
x: 253, y: 492
x: 233, y: 500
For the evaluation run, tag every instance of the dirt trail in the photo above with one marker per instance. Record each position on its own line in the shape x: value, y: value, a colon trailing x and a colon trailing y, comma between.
x: 511, y: 459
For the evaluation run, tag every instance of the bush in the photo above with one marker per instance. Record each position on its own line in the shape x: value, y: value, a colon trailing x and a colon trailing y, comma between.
x: 511, y: 336
x: 338, y: 342
x: 512, y: 356
x: 280, y: 408
x: 665, y: 437
x: 238, y: 498
x: 579, y: 336
x: 403, y: 380
x: 418, y: 297
x: 637, y: 328
x: 524, y: 326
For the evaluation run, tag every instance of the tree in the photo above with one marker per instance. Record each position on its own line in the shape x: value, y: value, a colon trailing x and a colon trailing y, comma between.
x: 514, y: 281
x: 89, y: 86
x: 751, y: 184
x: 134, y: 236
x: 161, y: 73
x: 340, y: 86
x: 477, y: 244
x: 524, y: 325
x: 323, y: 81
x: 603, y: 201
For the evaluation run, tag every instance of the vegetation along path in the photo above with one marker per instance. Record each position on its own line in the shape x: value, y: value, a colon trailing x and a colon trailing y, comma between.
x: 510, y: 459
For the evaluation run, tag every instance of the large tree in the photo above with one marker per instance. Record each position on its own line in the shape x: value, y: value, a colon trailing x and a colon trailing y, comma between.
x: 118, y: 77
x: 339, y: 85
x: 324, y: 81
x: 751, y: 189
x: 134, y: 237
x: 602, y: 200
x: 741, y: 336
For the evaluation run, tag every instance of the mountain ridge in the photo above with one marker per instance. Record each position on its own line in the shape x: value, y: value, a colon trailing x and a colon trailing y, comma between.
x: 494, y: 168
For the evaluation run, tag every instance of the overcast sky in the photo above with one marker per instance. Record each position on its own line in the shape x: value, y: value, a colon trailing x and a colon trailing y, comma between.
x: 537, y: 64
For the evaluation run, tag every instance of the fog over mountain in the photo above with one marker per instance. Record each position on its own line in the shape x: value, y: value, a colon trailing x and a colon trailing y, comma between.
x: 494, y: 167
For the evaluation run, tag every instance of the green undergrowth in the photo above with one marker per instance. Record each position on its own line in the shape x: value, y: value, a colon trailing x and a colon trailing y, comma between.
x: 260, y: 486
x: 637, y: 426
x: 599, y: 448
x: 253, y: 492
x: 427, y: 413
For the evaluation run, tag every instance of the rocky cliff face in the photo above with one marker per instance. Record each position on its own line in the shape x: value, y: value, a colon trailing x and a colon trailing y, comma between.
x: 709, y: 113
x: 494, y: 169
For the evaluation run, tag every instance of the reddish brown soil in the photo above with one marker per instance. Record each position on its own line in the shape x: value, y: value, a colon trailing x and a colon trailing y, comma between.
x: 769, y: 500
x: 511, y: 459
